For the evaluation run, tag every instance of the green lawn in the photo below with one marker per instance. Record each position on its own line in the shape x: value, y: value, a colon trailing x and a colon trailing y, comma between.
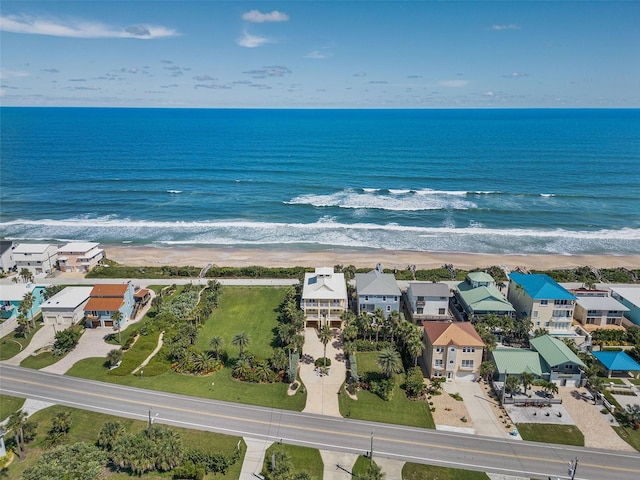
x: 551, y: 433
x: 303, y: 459
x: 8, y: 405
x: 137, y: 354
x: 85, y: 426
x: 361, y: 467
x: 39, y: 361
x: 244, y: 309
x: 629, y: 435
x: 615, y: 381
x: 417, y: 471
x: 12, y: 344
x: 399, y: 410
x: 225, y: 387
x: 635, y: 381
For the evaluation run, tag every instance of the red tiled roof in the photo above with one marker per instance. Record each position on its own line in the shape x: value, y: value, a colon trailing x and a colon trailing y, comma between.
x: 104, y: 304
x: 143, y: 292
x: 461, y: 334
x: 110, y: 290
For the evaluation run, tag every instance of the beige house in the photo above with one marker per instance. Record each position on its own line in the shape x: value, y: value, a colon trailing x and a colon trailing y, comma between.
x: 595, y: 309
x: 452, y: 350
x: 38, y: 258
x: 79, y: 256
x: 324, y: 297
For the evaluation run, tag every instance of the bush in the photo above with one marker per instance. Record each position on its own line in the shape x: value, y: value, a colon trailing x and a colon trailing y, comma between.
x: 189, y: 471
x: 371, y: 345
x: 320, y: 362
x: 66, y: 340
x: 353, y: 369
x: 383, y: 388
x: 414, y: 384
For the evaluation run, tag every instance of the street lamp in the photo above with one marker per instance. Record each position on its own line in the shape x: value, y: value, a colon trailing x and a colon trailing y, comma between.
x: 151, y: 419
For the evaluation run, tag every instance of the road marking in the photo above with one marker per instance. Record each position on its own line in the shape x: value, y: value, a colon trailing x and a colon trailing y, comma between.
x: 303, y: 428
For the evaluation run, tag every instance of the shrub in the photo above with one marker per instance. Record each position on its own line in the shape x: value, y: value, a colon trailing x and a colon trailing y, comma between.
x: 320, y: 362
x: 414, y: 384
x: 383, y: 388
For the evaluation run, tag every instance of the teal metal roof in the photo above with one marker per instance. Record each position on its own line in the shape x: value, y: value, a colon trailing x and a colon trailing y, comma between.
x: 484, y: 299
x: 515, y: 361
x: 540, y: 286
x: 618, y: 361
x: 481, y: 277
x: 554, y: 351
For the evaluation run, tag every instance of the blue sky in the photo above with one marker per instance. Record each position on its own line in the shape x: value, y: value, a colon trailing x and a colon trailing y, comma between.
x: 324, y: 54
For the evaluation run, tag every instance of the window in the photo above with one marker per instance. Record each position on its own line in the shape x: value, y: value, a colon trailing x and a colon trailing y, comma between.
x: 438, y: 362
x: 395, y: 299
x: 468, y: 349
x: 438, y: 374
x: 439, y: 349
x: 534, y: 314
x: 421, y: 299
x: 366, y: 298
x: 544, y: 302
x: 384, y: 298
x: 388, y: 308
x: 612, y: 321
x: 466, y: 364
x: 441, y: 311
x: 420, y: 310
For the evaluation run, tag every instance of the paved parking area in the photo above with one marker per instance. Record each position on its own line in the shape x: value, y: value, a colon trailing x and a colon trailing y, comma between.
x: 556, y: 413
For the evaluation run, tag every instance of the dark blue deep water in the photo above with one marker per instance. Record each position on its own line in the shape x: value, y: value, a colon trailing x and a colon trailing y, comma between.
x: 485, y: 181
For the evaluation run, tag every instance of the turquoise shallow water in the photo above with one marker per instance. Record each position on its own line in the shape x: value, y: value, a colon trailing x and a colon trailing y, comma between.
x: 485, y: 181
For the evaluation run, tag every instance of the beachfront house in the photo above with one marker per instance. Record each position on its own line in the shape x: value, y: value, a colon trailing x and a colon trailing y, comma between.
x: 79, y: 256
x: 478, y: 296
x: 106, y: 299
x: 542, y: 300
x: 427, y: 301
x: 629, y: 296
x: 6, y: 259
x: 66, y: 308
x: 548, y: 359
x: 324, y: 297
x: 38, y: 258
x: 596, y: 309
x: 12, y: 295
x: 376, y: 289
x: 452, y: 350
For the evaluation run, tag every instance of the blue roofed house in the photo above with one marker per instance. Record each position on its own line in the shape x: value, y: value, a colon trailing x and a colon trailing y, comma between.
x: 546, y: 303
x: 478, y: 296
x: 619, y: 363
x: 377, y: 290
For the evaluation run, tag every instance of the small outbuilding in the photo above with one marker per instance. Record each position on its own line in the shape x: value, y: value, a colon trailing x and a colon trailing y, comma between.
x: 617, y: 363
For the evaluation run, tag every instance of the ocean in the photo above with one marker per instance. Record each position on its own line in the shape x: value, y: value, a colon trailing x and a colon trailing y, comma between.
x: 483, y: 181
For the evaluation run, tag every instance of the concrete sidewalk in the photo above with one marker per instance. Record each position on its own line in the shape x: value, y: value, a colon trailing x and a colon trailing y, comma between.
x: 253, y: 458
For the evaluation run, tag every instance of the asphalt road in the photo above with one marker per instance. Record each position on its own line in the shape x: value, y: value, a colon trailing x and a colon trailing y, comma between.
x: 404, y: 443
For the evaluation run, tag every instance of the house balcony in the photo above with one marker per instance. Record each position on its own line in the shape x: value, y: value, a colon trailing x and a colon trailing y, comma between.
x: 8, y: 311
x: 336, y: 303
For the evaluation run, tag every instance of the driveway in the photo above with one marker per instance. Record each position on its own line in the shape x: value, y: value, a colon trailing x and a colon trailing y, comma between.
x: 594, y: 425
x: 42, y: 338
x: 322, y: 391
x: 481, y: 409
x: 91, y: 344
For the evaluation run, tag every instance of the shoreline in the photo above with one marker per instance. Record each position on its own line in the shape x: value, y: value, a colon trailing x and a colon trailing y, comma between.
x: 139, y: 256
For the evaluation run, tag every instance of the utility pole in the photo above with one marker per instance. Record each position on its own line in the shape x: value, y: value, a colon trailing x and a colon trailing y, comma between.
x: 573, y: 466
x: 371, y: 453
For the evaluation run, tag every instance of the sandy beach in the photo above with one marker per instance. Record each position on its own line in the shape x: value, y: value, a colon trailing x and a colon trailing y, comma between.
x: 238, y: 257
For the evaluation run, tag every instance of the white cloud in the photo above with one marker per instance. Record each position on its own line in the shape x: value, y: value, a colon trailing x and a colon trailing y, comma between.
x: 251, y: 41
x: 360, y: 74
x: 519, y: 74
x: 510, y: 26
x: 270, y: 71
x: 205, y: 78
x: 74, y: 28
x: 256, y: 16
x: 4, y: 74
x: 453, y: 83
x: 317, y: 54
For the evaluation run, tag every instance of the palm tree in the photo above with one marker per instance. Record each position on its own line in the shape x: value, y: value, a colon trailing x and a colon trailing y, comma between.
x: 217, y: 344
x: 279, y: 359
x: 110, y: 433
x: 201, y: 362
x: 116, y: 317
x: 487, y: 369
x: 325, y: 335
x: 23, y: 324
x: 26, y: 305
x: 114, y: 356
x: 414, y: 348
x: 389, y: 362
x: 377, y: 321
x: 26, y: 275
x: 526, y: 378
x: 242, y: 368
x: 241, y: 340
x: 16, y: 423
x: 511, y: 385
x: 263, y: 372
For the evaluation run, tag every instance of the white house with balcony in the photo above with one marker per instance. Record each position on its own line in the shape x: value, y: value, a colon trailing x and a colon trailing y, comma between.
x: 596, y: 309
x: 427, y: 301
x: 541, y: 299
x: 38, y: 258
x: 79, y: 256
x: 324, y: 297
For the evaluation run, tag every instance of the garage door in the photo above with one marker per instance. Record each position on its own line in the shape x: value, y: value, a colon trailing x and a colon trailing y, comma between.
x: 465, y: 376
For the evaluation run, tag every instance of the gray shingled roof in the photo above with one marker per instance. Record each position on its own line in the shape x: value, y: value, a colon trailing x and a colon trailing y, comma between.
x: 376, y: 283
x: 429, y: 289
